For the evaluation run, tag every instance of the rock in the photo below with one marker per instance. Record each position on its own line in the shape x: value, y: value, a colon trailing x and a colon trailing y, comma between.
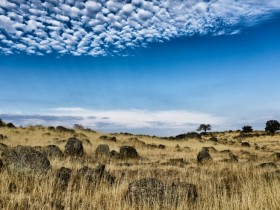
x: 52, y: 151
x: 191, y: 135
x: 87, y: 173
x: 1, y: 165
x: 214, y: 139
x: 230, y: 184
x: 99, y: 170
x: 245, y: 144
x: 128, y: 152
x: 12, y: 187
x: 57, y: 205
x: 26, y: 159
x: 10, y: 125
x: 176, y: 161
x: 233, y: 157
x: 96, y: 175
x: 2, y: 137
x: 134, y: 141
x: 275, y: 155
x: 51, y: 128
x: 225, y: 151
x: 230, y: 142
x: 63, y: 129
x: 145, y: 191
x: 102, y: 150
x: 108, y: 178
x: 264, y: 147
x: 203, y: 156
x: 152, y: 146
x: 74, y: 147
x: 63, y: 175
x: 182, y: 191
x: 161, y: 146
x: 108, y: 138
x: 270, y: 176
x: 3, y: 147
x: 268, y: 165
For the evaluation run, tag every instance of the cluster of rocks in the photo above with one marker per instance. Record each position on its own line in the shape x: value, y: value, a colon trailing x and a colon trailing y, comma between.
x: 34, y: 160
x: 2, y: 137
x: 151, y: 191
x: 61, y: 129
x: 204, y: 155
x: 108, y: 138
x: 134, y: 141
x: 25, y: 159
x: 103, y: 150
x: 91, y: 175
x: 245, y: 144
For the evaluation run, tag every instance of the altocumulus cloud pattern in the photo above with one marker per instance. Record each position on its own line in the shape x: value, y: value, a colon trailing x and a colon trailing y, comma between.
x: 102, y: 27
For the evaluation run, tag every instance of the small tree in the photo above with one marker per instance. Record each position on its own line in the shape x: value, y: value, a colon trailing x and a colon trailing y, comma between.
x: 204, y: 127
x: 247, y: 129
x: 78, y: 127
x: 2, y: 123
x: 272, y: 126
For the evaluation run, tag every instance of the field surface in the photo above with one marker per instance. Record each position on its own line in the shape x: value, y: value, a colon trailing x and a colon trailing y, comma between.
x: 235, y: 176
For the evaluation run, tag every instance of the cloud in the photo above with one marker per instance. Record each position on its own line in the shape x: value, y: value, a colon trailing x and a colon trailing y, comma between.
x: 161, y: 123
x: 102, y: 27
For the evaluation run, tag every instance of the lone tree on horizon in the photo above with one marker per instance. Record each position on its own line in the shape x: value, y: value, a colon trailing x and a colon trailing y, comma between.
x: 247, y: 129
x: 2, y: 123
x: 272, y: 126
x: 204, y: 127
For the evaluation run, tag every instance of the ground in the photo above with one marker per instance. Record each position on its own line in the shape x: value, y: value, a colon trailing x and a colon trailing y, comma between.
x: 222, y: 183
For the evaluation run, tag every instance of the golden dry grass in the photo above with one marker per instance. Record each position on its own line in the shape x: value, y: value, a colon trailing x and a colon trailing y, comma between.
x: 221, y: 185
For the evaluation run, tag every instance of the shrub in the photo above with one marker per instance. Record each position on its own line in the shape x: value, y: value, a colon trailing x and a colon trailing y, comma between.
x: 272, y: 126
x: 247, y: 129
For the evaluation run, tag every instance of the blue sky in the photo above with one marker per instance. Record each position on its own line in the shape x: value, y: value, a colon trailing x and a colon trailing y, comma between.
x: 220, y: 66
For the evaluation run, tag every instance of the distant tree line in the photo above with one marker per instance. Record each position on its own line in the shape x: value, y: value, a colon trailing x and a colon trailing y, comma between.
x: 271, y: 126
x: 3, y: 124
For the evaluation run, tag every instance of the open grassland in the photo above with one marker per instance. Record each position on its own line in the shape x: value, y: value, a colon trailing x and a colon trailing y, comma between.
x: 221, y: 183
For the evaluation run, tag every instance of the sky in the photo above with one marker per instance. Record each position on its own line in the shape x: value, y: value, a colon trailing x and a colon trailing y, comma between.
x: 150, y: 67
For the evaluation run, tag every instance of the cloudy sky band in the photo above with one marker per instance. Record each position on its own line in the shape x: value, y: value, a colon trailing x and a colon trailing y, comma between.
x: 102, y: 27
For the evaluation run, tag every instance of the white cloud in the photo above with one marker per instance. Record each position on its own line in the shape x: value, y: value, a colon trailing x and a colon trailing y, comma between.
x: 128, y: 9
x: 162, y: 123
x: 7, y: 24
x: 119, y: 25
x: 140, y: 119
x: 6, y: 4
x: 92, y: 8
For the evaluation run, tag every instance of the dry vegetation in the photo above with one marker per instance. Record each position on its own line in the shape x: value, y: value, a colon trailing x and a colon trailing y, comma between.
x: 221, y: 183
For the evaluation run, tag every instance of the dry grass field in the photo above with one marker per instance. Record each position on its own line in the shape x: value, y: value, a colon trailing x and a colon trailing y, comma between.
x: 221, y: 183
